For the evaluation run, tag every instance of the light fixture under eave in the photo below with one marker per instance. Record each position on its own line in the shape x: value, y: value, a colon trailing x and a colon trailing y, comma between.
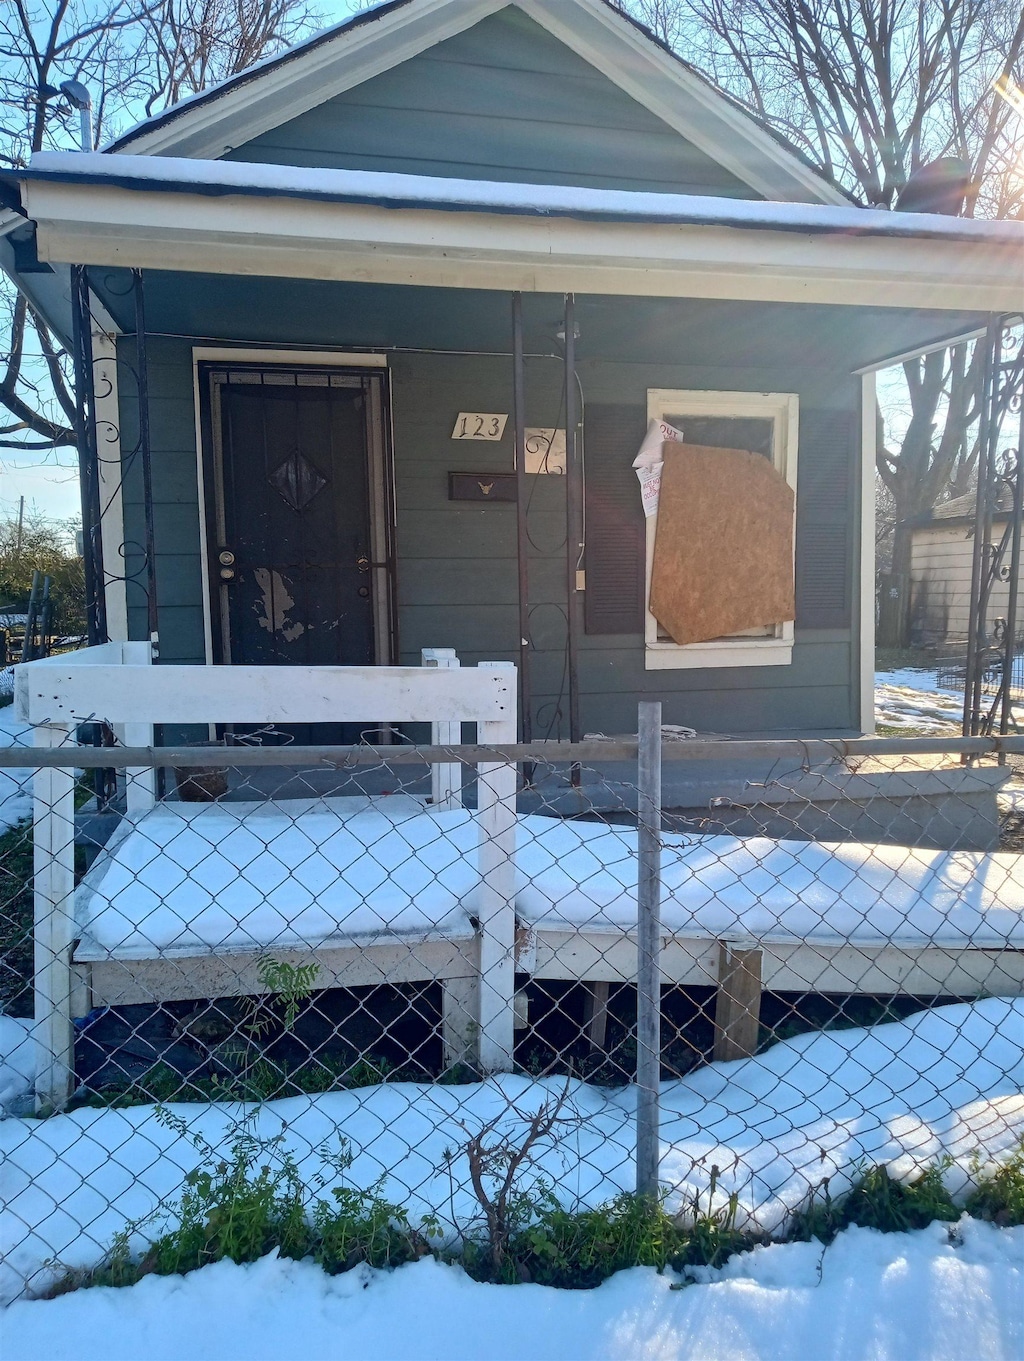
x: 1011, y: 92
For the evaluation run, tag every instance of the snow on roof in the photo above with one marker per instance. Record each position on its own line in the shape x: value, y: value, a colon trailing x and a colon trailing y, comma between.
x: 174, y: 174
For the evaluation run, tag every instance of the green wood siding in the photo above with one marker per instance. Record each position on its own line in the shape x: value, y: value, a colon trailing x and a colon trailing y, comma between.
x: 457, y: 561
x: 175, y: 498
x: 502, y: 101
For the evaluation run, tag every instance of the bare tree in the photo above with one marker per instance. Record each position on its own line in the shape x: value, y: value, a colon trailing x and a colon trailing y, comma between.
x: 135, y: 56
x: 196, y: 43
x: 871, y: 91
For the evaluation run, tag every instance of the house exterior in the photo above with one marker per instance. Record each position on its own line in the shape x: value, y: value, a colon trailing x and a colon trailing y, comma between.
x: 327, y: 298
x: 941, y: 564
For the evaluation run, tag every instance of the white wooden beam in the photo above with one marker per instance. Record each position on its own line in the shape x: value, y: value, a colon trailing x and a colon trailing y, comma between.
x: 140, y: 781
x: 54, y: 920
x: 65, y: 691
x: 446, y: 779
x: 496, y: 815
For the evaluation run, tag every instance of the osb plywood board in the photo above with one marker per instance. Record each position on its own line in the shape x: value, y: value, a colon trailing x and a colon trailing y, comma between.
x: 723, y: 554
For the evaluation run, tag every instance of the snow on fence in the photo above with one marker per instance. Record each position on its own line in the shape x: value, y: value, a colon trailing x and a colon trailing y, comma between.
x: 797, y: 959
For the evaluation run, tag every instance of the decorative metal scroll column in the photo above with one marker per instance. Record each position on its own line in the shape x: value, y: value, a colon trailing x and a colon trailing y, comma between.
x: 88, y: 456
x: 144, y: 449
x: 991, y: 641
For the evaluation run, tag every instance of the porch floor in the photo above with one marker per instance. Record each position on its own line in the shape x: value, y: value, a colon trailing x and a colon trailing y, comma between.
x: 200, y: 879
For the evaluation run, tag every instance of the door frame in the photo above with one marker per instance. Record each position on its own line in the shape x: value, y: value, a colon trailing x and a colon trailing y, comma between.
x: 380, y: 469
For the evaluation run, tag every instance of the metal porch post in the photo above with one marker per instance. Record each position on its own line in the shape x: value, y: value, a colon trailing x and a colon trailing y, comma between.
x: 146, y: 458
x: 88, y: 457
x: 573, y: 527
x: 522, y: 537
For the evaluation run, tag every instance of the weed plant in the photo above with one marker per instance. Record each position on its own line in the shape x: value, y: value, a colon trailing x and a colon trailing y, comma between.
x: 999, y: 1196
x: 578, y: 1249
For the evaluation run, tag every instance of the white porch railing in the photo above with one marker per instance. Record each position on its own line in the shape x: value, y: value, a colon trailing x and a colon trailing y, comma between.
x: 115, y: 683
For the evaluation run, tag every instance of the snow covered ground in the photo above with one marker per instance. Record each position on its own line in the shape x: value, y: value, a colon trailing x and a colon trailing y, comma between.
x: 943, y: 1292
x: 912, y: 698
x: 18, y: 1061
x: 946, y: 1082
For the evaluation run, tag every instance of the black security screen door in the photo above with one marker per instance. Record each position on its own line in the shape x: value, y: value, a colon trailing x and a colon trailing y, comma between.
x: 291, y: 546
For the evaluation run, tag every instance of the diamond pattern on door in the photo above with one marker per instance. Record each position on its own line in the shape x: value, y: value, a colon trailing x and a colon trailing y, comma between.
x: 297, y: 481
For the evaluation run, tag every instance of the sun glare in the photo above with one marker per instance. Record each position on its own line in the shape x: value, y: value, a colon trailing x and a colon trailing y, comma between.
x: 1011, y: 92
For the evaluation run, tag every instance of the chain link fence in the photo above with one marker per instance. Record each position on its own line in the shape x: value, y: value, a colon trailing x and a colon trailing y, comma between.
x: 732, y: 973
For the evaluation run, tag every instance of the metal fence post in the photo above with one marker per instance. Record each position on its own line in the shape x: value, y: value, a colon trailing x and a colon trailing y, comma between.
x: 648, y: 964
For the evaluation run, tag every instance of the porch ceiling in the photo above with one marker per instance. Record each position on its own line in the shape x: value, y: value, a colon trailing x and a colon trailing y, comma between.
x: 691, y: 331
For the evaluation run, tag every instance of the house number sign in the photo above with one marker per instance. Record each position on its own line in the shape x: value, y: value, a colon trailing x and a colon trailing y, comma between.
x: 485, y: 425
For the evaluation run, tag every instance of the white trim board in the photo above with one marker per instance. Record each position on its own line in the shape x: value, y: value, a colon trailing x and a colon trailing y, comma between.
x: 866, y: 588
x: 299, y: 238
x: 207, y: 127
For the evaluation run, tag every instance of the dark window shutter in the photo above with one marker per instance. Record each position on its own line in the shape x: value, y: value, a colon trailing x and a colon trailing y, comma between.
x: 824, y: 519
x: 614, y: 598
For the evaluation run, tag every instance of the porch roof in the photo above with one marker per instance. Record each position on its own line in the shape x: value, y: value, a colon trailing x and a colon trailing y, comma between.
x: 385, y: 188
x: 237, y: 218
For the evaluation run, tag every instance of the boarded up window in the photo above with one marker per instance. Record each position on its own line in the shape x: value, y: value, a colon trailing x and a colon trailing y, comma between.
x: 614, y: 599
x: 723, y: 555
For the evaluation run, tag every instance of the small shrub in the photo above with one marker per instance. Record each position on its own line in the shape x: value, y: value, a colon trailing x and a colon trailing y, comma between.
x: 16, y: 909
x: 237, y: 1210
x: 1000, y: 1196
x: 877, y: 1201
x: 578, y: 1249
x: 880, y: 1202
x: 363, y: 1227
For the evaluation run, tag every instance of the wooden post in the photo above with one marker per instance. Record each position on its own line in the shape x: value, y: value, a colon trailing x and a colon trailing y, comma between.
x: 595, y: 1013
x: 738, y: 1006
x: 496, y: 812
x: 460, y: 1006
x: 648, y: 939
x: 54, y: 919
x: 140, y: 781
x: 446, y: 779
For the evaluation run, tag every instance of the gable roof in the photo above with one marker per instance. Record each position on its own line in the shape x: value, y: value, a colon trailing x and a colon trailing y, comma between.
x: 961, y: 510
x: 283, y: 87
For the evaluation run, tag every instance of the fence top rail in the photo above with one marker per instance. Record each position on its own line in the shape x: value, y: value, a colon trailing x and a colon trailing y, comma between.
x: 552, y: 753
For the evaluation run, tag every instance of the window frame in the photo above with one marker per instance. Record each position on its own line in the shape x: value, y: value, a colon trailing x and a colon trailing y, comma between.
x: 783, y: 409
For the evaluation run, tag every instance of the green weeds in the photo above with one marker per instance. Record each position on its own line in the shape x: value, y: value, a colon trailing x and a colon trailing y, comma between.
x: 999, y: 1195
x: 243, y: 1205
